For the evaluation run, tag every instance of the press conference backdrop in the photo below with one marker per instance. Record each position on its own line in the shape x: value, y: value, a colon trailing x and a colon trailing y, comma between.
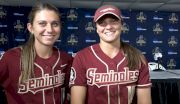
x: 149, y: 31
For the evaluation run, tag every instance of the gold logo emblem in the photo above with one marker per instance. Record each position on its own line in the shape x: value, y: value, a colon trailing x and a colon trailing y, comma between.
x: 3, y: 39
x: 19, y: 26
x: 72, y: 15
x: 141, y: 41
x: 157, y: 29
x: 125, y: 28
x: 141, y: 17
x: 156, y: 50
x: 72, y: 40
x: 89, y: 27
x: 173, y: 18
x: 172, y: 41
x: 2, y: 12
x: 171, y: 64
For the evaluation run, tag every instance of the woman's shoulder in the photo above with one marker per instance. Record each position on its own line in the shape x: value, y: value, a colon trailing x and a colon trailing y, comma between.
x: 86, y: 49
x: 63, y: 54
x: 11, y: 53
x: 85, y: 52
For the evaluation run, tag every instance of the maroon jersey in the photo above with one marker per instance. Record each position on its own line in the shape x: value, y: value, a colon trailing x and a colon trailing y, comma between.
x: 51, y: 77
x: 108, y: 80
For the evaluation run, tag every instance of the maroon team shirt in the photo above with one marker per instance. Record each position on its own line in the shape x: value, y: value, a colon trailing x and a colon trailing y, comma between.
x: 51, y: 76
x: 108, y: 80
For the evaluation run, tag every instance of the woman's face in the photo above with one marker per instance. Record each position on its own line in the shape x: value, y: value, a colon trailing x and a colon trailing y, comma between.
x: 109, y: 28
x: 46, y: 27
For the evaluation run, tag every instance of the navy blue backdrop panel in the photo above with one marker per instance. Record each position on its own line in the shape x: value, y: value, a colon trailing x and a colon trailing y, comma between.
x: 78, y: 29
x: 148, y: 31
x: 5, y: 36
x: 18, y: 24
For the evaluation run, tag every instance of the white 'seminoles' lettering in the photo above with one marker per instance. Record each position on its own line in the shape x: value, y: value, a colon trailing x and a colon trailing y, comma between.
x: 111, y: 78
x: 42, y: 83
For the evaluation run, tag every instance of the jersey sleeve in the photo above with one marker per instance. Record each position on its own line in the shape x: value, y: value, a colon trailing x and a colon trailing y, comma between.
x: 78, y: 71
x: 3, y: 69
x: 144, y: 77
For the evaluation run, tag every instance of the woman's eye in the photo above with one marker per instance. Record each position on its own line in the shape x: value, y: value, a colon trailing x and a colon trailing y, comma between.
x: 55, y: 24
x: 42, y: 24
x: 101, y: 23
x: 113, y: 20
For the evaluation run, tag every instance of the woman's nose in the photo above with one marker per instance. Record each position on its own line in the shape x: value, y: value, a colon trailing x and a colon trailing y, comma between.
x: 49, y: 28
x: 108, y: 25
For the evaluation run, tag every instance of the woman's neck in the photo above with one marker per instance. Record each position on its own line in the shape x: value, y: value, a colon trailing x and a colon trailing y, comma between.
x: 44, y: 51
x: 110, y: 50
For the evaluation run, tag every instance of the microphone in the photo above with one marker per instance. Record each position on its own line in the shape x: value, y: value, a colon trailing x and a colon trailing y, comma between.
x: 157, y: 57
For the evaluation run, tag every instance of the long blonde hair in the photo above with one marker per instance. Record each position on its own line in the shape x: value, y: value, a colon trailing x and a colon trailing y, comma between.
x: 28, y: 51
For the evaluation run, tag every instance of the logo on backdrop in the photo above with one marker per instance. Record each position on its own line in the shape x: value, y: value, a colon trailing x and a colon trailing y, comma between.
x: 89, y: 27
x: 172, y: 41
x: 72, y: 15
x: 3, y: 13
x: 173, y: 18
x: 141, y: 17
x: 3, y: 39
x: 157, y: 29
x: 171, y: 64
x: 141, y: 40
x: 125, y: 28
x: 19, y: 26
x: 72, y: 40
x: 156, y: 50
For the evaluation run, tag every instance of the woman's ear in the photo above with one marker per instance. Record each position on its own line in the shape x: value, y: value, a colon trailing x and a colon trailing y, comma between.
x: 121, y: 25
x: 95, y: 26
x: 97, y: 30
x: 29, y: 27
